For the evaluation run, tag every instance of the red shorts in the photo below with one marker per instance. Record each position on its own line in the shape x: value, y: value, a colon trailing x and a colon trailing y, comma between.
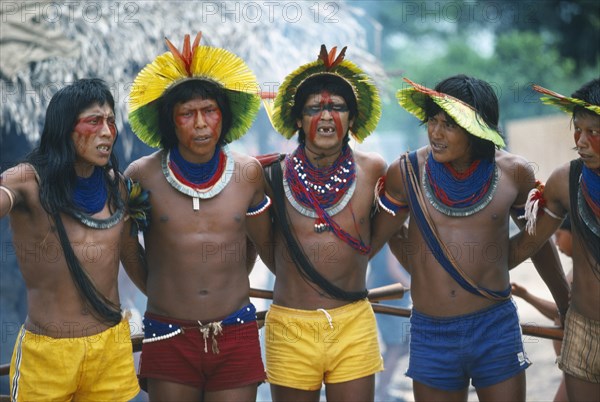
x: 183, y: 359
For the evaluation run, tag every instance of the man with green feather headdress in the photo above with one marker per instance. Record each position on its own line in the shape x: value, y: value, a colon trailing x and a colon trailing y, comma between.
x: 459, y: 192
x: 323, y: 196
x: 201, y: 335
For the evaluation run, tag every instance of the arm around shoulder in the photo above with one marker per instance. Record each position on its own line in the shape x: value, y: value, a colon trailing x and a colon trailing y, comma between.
x: 392, y: 208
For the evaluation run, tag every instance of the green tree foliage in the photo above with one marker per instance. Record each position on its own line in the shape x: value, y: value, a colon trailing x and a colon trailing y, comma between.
x: 510, y: 44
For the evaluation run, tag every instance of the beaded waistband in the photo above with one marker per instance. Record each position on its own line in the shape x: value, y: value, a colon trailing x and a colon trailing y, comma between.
x: 157, y: 328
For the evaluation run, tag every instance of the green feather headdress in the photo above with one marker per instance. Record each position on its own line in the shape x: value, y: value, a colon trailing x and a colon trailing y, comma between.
x: 413, y: 100
x: 367, y: 95
x: 562, y: 102
x: 194, y: 62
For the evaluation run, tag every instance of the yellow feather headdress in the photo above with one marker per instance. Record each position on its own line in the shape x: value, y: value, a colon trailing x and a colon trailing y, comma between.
x: 194, y: 62
x: 413, y: 100
x: 562, y: 102
x: 365, y: 92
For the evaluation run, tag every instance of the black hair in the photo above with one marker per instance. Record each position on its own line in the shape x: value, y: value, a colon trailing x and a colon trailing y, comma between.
x: 478, y: 94
x: 590, y: 93
x: 184, y: 92
x: 54, y: 160
x: 315, y: 85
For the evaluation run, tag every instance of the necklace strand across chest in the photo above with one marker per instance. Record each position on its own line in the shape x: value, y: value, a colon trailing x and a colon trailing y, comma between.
x: 180, y: 178
x: 307, y: 187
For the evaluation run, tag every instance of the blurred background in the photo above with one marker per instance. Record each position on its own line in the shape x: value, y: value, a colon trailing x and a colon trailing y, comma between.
x: 45, y: 45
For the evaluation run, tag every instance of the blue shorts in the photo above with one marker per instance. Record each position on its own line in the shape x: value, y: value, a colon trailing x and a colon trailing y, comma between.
x: 485, y: 346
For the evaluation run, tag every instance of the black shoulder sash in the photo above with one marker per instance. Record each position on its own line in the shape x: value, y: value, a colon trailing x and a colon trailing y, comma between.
x: 274, y: 177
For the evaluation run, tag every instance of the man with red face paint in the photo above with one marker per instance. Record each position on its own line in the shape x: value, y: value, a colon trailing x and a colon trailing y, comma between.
x: 66, y: 207
x: 320, y: 327
x: 574, y: 188
x: 201, y: 335
x: 460, y: 191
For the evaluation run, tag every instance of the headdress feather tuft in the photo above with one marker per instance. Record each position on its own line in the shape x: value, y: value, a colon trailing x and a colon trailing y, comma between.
x: 196, y: 62
x: 413, y: 100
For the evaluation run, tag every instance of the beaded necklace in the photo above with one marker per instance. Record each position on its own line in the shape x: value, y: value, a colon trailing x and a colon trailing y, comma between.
x: 459, y: 194
x: 90, y: 193
x: 198, y: 180
x: 89, y: 196
x: 588, y: 199
x: 322, y: 193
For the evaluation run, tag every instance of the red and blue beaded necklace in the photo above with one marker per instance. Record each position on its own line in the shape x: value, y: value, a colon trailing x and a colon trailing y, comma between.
x: 589, y: 199
x: 197, y: 175
x: 322, y: 193
x: 460, y: 193
x: 590, y: 188
x: 198, y: 180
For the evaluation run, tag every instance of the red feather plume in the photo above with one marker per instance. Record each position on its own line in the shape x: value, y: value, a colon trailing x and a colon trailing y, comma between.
x: 187, y: 54
x: 329, y: 59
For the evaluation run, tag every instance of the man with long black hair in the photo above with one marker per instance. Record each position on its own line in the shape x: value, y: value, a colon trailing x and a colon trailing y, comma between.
x: 66, y: 203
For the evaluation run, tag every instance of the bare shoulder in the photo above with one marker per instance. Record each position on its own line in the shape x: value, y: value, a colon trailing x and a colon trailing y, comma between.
x: 510, y: 162
x: 20, y: 174
x: 557, y: 184
x: 137, y: 169
x: 371, y: 162
x: 250, y: 170
x: 243, y: 159
x: 561, y: 173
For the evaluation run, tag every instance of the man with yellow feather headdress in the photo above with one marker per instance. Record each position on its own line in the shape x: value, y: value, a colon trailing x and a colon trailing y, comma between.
x: 201, y: 336
x: 323, y: 197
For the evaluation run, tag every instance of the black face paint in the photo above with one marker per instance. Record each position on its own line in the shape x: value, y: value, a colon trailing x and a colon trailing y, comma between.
x: 330, y: 107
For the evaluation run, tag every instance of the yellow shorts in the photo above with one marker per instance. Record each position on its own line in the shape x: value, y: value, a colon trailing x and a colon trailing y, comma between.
x: 305, y: 348
x: 580, y: 354
x: 94, y: 368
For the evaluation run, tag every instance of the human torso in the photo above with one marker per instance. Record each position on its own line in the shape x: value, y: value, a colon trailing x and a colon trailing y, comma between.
x: 478, y: 243
x: 585, y: 290
x: 196, y: 258
x: 55, y: 307
x: 332, y: 257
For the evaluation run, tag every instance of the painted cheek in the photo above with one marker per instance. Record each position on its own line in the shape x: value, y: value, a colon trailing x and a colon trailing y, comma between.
x: 338, y: 125
x: 86, y: 129
x: 214, y: 120
x: 577, y: 136
x: 314, y: 121
x: 595, y: 143
x: 82, y: 142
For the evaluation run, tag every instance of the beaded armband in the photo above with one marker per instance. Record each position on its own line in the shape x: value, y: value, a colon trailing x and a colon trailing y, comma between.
x: 536, y: 206
x: 386, y: 201
x: 260, y: 208
x: 138, y: 206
